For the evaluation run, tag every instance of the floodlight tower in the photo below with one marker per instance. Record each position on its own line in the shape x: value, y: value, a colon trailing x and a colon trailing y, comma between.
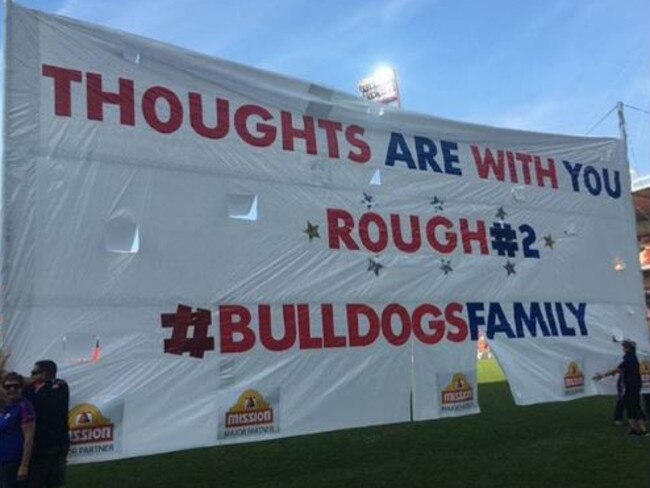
x: 381, y: 86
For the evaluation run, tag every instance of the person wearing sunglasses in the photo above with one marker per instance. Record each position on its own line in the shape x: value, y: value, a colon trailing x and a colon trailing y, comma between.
x: 17, y: 426
x: 51, y: 397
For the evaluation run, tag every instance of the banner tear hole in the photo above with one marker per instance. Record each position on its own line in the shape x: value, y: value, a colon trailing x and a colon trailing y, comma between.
x: 242, y: 207
x: 519, y: 194
x: 122, y: 236
x: 619, y: 264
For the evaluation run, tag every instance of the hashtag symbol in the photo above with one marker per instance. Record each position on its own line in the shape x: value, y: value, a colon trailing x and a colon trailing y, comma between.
x: 181, y: 322
x: 504, y: 239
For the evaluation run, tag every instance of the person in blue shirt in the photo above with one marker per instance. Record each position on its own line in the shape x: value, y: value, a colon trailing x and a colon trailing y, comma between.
x: 17, y: 426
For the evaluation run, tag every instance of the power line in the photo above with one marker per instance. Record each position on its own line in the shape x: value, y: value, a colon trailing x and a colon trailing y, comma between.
x: 637, y: 108
x: 600, y: 121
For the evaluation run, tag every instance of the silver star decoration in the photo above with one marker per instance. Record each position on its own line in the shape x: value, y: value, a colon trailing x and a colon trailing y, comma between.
x: 510, y: 267
x: 374, y: 266
x: 548, y: 241
x: 501, y: 214
x: 311, y: 231
x: 437, y: 203
x: 368, y: 200
x: 445, y: 266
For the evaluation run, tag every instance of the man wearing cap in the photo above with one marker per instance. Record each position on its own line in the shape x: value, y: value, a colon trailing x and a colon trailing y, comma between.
x: 631, y: 375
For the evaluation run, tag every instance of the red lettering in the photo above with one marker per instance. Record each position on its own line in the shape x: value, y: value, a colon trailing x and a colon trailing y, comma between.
x: 381, y: 241
x: 525, y: 160
x: 436, y: 325
x: 256, y: 133
x: 398, y: 238
x: 266, y: 132
x: 479, y: 235
x: 266, y: 329
x: 339, y: 227
x: 453, y: 316
x: 512, y: 169
x: 306, y: 340
x: 222, y: 124
x: 541, y: 172
x: 330, y: 339
x: 451, y: 239
x: 63, y: 79
x: 485, y: 164
x: 331, y: 128
x: 96, y: 98
x: 387, y: 324
x: 235, y: 319
x: 149, y: 100
x: 289, y: 133
x: 353, y: 135
x: 357, y: 339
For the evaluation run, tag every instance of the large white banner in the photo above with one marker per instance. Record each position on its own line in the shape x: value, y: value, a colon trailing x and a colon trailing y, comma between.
x: 217, y: 254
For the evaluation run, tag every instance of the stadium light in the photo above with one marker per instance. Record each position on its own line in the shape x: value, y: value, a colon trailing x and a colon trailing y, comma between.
x: 381, y: 86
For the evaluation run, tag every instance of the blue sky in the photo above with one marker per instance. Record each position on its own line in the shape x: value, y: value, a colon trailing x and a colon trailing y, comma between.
x: 544, y: 65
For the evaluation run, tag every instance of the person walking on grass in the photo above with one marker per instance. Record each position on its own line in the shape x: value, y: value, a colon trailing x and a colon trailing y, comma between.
x: 631, y: 376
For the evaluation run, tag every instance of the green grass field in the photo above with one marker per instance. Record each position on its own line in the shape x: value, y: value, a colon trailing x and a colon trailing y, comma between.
x: 571, y: 444
x: 489, y: 371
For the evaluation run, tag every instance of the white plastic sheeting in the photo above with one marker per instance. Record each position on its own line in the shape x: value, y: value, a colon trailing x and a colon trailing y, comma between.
x: 218, y: 254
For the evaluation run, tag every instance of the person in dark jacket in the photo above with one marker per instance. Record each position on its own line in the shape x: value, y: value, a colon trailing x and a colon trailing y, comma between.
x: 51, y: 398
x: 631, y: 376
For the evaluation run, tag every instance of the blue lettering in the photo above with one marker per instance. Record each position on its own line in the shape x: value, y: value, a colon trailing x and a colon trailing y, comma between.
x: 616, y: 192
x: 530, y: 321
x: 450, y: 158
x: 579, y: 313
x: 475, y: 320
x: 574, y: 171
x: 497, y: 322
x: 565, y: 330
x: 426, y: 150
x: 550, y: 316
x: 398, y: 150
x: 593, y: 184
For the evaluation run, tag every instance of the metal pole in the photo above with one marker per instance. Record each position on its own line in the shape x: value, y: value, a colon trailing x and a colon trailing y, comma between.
x: 4, y: 235
x: 399, y: 95
x: 621, y: 126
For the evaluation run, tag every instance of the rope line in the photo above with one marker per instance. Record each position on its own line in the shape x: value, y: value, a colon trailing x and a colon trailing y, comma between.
x: 601, y: 120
